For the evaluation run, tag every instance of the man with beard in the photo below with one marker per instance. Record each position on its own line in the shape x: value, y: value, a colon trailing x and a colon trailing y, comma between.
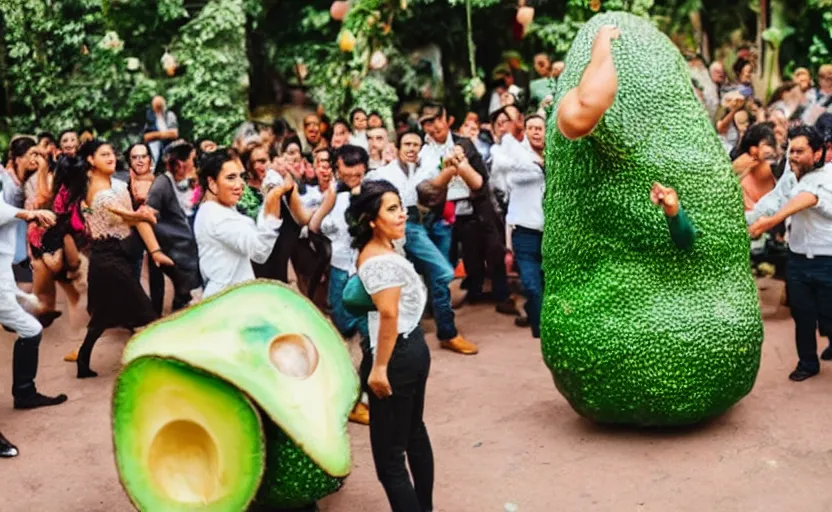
x: 805, y: 196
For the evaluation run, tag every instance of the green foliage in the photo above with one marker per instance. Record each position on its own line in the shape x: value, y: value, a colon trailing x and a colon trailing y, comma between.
x: 820, y: 51
x: 338, y: 80
x: 66, y: 70
x: 212, y: 93
x: 95, y: 65
x: 556, y: 35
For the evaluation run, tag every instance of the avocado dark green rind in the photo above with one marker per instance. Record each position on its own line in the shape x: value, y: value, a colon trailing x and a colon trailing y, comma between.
x: 634, y: 329
x: 291, y: 479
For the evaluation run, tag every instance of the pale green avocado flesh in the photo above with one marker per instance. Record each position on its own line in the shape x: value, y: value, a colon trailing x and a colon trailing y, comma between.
x: 183, y: 440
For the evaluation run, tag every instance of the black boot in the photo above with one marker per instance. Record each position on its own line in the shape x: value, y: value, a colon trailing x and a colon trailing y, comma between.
x: 24, y: 371
x: 85, y: 353
x: 7, y: 449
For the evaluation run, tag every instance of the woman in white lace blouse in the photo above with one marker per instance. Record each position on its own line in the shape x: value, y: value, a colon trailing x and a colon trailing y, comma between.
x: 401, y: 359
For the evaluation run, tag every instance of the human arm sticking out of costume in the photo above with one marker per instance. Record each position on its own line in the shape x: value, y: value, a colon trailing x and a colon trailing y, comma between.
x: 581, y: 108
x: 682, y: 231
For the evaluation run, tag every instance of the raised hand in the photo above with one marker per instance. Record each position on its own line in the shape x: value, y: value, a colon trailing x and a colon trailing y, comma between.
x: 609, y: 33
x: 666, y: 198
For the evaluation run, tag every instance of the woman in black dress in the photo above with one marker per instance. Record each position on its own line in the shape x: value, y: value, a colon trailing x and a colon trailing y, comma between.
x: 114, y: 297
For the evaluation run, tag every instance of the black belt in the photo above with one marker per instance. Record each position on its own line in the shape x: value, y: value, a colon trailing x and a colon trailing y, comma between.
x: 528, y: 231
x: 799, y: 256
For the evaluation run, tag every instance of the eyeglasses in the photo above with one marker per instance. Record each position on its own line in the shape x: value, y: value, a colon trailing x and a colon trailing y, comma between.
x: 139, y: 157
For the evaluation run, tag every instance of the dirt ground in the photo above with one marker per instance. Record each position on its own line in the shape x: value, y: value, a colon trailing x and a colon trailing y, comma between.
x: 501, y: 433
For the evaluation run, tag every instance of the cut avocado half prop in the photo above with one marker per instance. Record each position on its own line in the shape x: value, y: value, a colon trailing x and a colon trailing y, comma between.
x: 185, y: 440
x: 634, y: 329
x: 271, y: 345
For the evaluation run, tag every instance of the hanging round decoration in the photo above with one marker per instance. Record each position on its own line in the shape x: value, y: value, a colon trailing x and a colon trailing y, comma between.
x: 339, y: 10
x: 525, y: 15
x: 346, y: 41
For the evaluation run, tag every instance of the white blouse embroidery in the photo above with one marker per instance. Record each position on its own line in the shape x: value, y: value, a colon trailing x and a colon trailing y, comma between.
x: 394, y: 271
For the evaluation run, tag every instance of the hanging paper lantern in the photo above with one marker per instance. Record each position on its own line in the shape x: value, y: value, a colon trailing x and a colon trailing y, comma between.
x: 595, y: 5
x: 525, y: 15
x: 339, y: 10
x: 378, y: 60
x: 169, y: 63
x: 346, y: 41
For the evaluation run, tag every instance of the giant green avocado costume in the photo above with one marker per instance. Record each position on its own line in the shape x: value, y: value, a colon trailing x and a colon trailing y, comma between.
x: 635, y: 328
x: 239, y: 400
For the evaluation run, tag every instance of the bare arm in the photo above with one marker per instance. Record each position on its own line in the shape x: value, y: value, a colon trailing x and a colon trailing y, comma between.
x: 298, y: 211
x: 582, y: 107
x: 320, y: 214
x: 444, y: 177
x: 148, y: 237
x: 469, y: 175
x: 723, y: 124
x: 798, y: 203
x: 387, y: 304
x: 133, y: 218
x: 164, y: 135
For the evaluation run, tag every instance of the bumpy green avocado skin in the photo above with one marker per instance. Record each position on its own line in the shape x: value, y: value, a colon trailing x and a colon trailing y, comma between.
x: 635, y: 330
x: 292, y: 479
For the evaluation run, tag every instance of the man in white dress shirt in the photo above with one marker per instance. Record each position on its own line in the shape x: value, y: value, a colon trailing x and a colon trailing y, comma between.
x: 428, y: 235
x: 478, y: 227
x: 525, y: 182
x: 804, y: 195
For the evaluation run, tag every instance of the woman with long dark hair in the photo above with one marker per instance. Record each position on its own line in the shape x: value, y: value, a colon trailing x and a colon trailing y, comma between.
x: 115, y: 298
x: 56, y: 251
x: 400, y: 357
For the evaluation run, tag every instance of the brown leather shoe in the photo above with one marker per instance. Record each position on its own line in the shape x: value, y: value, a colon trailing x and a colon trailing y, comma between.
x: 507, y: 307
x: 460, y: 345
x: 360, y: 414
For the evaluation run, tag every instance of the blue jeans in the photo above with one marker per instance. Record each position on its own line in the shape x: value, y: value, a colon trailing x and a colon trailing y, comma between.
x: 528, y: 257
x: 346, y: 323
x: 809, y: 288
x: 425, y: 250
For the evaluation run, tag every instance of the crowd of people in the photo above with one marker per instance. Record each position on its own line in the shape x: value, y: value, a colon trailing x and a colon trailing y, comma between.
x: 782, y: 154
x: 363, y: 207
x: 338, y: 202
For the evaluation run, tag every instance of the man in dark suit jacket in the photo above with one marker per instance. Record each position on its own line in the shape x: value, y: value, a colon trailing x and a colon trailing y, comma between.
x: 478, y: 227
x: 173, y: 230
